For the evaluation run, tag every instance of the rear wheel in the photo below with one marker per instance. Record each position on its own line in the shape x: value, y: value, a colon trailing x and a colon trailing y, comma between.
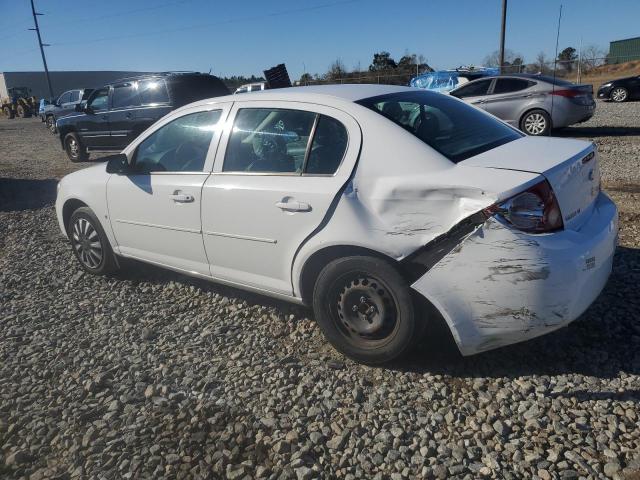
x: 619, y: 95
x: 8, y: 112
x: 365, y: 309
x: 74, y: 148
x: 51, y: 124
x: 89, y: 242
x: 536, y: 123
x: 21, y: 111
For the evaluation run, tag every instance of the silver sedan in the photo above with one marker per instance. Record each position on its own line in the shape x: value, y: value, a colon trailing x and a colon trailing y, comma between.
x: 533, y: 103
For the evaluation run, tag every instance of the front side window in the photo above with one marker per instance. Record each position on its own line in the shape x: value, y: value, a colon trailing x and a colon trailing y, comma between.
x: 268, y: 141
x: 473, y: 89
x: 451, y: 127
x: 125, y: 96
x: 99, y: 100
x: 153, y: 91
x: 508, y: 85
x: 179, y: 146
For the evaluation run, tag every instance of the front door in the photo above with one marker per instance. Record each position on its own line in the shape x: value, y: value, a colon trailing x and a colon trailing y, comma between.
x: 474, y: 93
x: 278, y: 169
x: 122, y: 114
x: 93, y: 126
x: 155, y: 210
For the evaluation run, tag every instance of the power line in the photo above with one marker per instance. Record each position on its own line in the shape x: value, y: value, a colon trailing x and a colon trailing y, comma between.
x: 207, y: 25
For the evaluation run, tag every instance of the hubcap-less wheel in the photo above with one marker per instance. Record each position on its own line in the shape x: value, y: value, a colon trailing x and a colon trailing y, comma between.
x: 51, y: 124
x: 74, y: 148
x: 535, y: 124
x: 619, y: 95
x: 86, y: 242
x: 365, y: 310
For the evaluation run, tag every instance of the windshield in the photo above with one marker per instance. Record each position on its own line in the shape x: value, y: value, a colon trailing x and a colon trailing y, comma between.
x: 453, y: 128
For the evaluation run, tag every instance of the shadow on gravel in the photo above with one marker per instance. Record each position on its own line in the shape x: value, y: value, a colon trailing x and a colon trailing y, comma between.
x: 588, y: 132
x: 24, y: 194
x: 603, y: 342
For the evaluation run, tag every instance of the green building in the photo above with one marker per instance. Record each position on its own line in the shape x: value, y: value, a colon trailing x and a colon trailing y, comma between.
x: 624, y: 50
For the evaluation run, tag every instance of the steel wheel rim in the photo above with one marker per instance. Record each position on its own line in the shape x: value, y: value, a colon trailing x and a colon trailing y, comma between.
x: 86, y: 243
x: 50, y: 123
x: 535, y: 124
x: 364, y: 310
x: 73, y: 147
x: 619, y: 95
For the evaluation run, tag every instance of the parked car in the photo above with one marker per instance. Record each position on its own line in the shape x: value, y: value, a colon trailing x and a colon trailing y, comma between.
x: 367, y: 202
x: 64, y: 105
x: 533, y: 103
x: 621, y: 90
x: 446, y: 80
x: 251, y: 87
x: 115, y: 114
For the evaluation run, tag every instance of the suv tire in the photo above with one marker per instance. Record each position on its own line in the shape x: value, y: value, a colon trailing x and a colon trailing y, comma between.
x: 364, y: 307
x: 74, y: 148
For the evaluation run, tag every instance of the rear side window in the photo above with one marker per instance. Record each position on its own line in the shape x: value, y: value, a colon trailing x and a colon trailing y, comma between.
x: 124, y: 95
x: 508, y: 85
x: 454, y: 129
x: 328, y: 147
x: 64, y: 98
x: 474, y: 89
x: 75, y: 96
x: 153, y: 91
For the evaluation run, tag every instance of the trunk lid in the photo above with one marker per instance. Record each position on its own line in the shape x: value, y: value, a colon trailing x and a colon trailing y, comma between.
x: 570, y: 166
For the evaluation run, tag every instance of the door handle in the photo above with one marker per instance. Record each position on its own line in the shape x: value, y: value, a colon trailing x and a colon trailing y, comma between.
x: 479, y: 101
x: 294, y: 206
x: 179, y: 197
x: 104, y: 117
x: 128, y: 115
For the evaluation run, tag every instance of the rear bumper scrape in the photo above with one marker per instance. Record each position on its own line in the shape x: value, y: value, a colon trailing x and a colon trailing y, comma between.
x: 501, y: 286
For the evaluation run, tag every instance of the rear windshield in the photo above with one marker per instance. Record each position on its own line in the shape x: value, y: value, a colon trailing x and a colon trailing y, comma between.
x: 456, y: 130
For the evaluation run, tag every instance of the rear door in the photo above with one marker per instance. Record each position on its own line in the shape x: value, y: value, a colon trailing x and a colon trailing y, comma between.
x: 154, y: 102
x: 93, y: 126
x: 124, y: 101
x: 508, y: 98
x: 474, y: 92
x: 279, y: 167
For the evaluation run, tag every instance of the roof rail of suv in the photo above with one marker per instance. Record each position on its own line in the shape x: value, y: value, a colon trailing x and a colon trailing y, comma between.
x: 152, y: 74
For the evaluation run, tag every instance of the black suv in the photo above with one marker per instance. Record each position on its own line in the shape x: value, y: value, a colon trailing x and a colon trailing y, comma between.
x: 117, y: 113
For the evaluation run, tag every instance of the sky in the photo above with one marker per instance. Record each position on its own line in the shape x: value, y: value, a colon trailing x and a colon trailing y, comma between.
x: 248, y: 36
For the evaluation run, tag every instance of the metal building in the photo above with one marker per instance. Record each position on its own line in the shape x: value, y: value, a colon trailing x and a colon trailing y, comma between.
x: 60, y: 81
x: 621, y: 51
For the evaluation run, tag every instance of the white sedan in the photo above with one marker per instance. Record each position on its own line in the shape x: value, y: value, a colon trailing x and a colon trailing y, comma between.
x: 367, y: 202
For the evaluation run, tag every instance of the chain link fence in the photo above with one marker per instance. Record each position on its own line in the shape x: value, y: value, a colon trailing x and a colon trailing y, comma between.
x: 576, y: 70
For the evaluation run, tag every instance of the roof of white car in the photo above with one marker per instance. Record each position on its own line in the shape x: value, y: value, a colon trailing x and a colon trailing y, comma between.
x: 350, y: 93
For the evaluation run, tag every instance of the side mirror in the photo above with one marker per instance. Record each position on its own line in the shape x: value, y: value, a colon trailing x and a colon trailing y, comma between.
x: 118, y: 164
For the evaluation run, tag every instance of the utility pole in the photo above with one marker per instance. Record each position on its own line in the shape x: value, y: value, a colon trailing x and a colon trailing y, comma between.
x: 44, y: 60
x: 502, y: 33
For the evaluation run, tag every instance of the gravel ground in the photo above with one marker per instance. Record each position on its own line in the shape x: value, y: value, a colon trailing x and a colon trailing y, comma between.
x: 151, y: 374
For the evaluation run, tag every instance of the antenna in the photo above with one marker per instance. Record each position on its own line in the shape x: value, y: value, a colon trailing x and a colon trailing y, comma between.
x: 44, y: 60
x: 555, y: 62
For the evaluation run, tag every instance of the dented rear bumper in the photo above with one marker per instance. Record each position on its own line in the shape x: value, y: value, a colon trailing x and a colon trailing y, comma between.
x: 500, y: 286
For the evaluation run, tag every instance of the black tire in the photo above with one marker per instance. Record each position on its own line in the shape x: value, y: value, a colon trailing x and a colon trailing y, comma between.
x: 8, y: 112
x: 51, y: 124
x: 536, y: 123
x: 22, y: 111
x: 76, y: 151
x: 365, y: 309
x: 619, y: 94
x: 89, y: 243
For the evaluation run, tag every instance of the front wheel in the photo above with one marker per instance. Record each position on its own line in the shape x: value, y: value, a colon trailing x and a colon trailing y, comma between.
x: 536, y: 123
x: 89, y: 242
x: 75, y: 150
x: 365, y: 309
x: 619, y: 95
x: 22, y: 112
x: 8, y: 112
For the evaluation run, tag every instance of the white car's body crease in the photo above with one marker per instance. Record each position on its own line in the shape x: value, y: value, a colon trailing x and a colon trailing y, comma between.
x: 394, y: 195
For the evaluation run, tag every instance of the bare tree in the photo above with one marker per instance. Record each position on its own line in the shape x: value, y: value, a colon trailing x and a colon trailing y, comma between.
x: 592, y: 56
x: 493, y: 59
x: 336, y: 70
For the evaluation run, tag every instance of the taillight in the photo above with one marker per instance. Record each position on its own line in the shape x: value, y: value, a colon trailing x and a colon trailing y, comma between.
x: 535, y: 210
x: 569, y: 93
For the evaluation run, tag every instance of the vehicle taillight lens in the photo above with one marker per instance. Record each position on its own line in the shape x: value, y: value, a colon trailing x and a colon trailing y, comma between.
x: 535, y: 210
x: 569, y: 93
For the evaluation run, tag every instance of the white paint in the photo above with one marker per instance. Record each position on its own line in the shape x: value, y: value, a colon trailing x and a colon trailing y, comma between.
x: 392, y: 194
